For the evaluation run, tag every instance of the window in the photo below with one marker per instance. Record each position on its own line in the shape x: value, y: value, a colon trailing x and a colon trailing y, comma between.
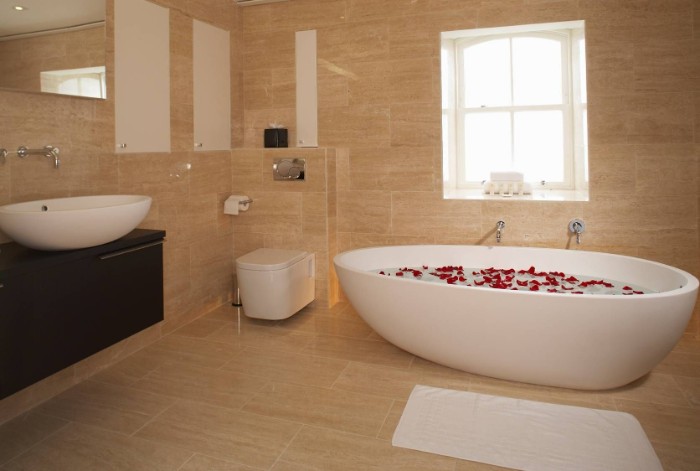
x: 514, y: 100
x: 88, y: 82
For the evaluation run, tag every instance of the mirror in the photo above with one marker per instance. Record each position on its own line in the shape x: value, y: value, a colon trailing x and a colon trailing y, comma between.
x: 53, y: 46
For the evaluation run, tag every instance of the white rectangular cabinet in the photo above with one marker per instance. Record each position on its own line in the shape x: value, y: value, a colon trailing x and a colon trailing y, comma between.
x: 212, y: 87
x: 307, y: 99
x: 142, y: 76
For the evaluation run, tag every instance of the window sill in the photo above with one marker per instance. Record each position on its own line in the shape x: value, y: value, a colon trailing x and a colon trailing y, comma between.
x: 537, y: 195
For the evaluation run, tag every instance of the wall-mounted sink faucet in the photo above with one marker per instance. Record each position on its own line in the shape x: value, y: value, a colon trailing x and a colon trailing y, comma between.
x: 577, y: 226
x: 500, y: 225
x: 49, y: 152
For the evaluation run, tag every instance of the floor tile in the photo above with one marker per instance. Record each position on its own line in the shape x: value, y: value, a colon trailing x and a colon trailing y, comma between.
x: 330, y: 450
x: 657, y: 388
x: 116, y: 408
x: 201, y: 328
x: 215, y: 387
x: 690, y: 388
x: 678, y: 458
x: 392, y: 382
x: 366, y: 351
x: 25, y: 431
x: 195, y: 352
x: 683, y: 363
x: 83, y: 447
x: 225, y: 434
x: 338, y: 325
x: 287, y: 367
x: 666, y: 424
x: 131, y: 369
x: 338, y: 410
x: 391, y: 421
x: 262, y: 336
x: 205, y: 463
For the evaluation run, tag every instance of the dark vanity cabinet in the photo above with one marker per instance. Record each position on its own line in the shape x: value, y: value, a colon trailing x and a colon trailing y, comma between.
x: 57, y: 308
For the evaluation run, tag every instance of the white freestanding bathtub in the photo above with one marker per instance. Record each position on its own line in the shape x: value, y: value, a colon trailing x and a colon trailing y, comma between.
x: 584, y: 341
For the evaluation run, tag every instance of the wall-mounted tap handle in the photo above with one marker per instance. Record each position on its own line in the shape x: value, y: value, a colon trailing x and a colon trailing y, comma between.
x: 500, y: 225
x: 578, y: 227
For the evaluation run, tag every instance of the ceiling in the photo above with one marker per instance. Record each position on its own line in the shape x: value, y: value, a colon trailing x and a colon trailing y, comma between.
x: 41, y: 15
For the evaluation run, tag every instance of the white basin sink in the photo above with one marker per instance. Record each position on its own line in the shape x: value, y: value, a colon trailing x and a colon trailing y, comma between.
x: 73, y: 223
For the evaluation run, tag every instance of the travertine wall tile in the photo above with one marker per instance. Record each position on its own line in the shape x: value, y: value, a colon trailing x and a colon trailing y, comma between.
x: 341, y: 126
x: 301, y: 15
x: 379, y: 97
x: 273, y: 212
x: 355, y: 42
x: 181, y: 82
x: 419, y: 213
x: 364, y: 211
x: 391, y: 168
x: 269, y: 50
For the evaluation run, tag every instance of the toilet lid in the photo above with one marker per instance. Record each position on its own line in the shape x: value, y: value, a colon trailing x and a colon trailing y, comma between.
x: 269, y: 259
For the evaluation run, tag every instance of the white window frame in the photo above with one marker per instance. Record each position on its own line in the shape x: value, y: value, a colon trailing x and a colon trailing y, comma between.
x: 571, y: 34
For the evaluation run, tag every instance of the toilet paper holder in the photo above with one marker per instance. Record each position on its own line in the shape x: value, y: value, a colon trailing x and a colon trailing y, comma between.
x: 237, y: 203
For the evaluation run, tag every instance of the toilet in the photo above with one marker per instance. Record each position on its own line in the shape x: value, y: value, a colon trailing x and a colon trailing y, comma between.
x: 275, y: 283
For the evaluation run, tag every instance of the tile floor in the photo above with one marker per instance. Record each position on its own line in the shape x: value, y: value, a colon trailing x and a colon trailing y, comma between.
x: 319, y: 391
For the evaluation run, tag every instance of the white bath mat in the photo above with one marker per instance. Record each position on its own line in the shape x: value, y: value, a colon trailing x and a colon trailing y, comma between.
x: 520, y: 434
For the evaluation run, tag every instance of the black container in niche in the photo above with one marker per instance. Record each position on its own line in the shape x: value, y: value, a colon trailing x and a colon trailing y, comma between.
x: 276, y: 137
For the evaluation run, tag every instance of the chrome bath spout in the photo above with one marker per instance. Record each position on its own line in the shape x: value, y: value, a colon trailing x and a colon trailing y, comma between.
x: 500, y: 225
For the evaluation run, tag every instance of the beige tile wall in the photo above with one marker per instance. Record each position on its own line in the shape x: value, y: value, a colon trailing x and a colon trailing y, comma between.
x: 379, y: 96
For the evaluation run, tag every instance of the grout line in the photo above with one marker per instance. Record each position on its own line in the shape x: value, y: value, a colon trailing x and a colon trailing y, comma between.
x: 186, y: 461
x: 152, y: 419
x: 332, y: 386
x: 386, y: 419
x: 288, y: 445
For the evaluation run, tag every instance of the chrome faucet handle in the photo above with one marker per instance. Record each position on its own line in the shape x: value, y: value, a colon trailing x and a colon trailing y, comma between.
x: 500, y: 225
x: 578, y: 227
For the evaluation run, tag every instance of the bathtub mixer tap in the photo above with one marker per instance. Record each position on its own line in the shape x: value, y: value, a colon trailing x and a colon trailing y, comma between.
x: 500, y: 225
x: 577, y: 226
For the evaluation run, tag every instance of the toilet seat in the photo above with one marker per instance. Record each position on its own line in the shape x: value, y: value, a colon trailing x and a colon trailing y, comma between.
x: 270, y: 259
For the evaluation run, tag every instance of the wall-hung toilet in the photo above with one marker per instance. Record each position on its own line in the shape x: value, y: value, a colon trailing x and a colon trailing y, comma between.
x: 275, y: 283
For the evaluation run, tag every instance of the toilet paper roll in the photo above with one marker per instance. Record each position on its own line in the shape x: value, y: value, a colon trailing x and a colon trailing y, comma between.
x: 233, y: 204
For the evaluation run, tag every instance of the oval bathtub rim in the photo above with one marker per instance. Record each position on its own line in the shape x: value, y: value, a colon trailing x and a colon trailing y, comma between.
x: 692, y: 283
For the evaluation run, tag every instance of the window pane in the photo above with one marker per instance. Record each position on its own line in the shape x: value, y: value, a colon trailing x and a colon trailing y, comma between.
x: 537, y: 71
x: 446, y: 147
x: 448, y: 76
x: 582, y: 70
x: 539, y: 145
x: 487, y: 144
x: 487, y: 74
